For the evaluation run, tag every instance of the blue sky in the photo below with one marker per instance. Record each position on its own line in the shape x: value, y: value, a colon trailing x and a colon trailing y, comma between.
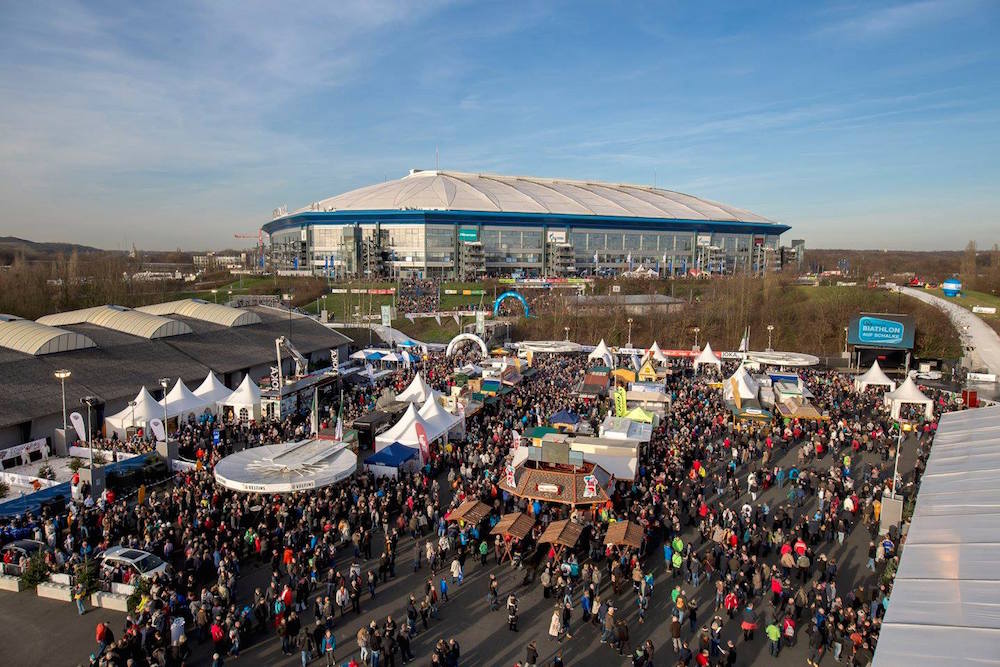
x: 860, y: 124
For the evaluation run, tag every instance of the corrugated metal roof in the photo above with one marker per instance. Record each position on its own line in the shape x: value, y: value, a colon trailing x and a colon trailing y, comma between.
x: 199, y: 309
x: 34, y: 338
x: 119, y: 318
x: 451, y: 191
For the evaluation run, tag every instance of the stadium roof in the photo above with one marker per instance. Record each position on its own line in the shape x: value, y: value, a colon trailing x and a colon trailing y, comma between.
x: 119, y: 318
x: 33, y: 338
x: 451, y: 190
x: 200, y: 309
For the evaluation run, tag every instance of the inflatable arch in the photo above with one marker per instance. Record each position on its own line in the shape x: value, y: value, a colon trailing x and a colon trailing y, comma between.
x: 509, y: 295
x: 464, y: 337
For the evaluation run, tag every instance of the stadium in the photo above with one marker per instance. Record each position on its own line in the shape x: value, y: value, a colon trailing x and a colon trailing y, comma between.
x: 444, y: 224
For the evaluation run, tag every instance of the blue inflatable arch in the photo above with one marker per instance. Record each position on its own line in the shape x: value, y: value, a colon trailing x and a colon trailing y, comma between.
x: 509, y: 295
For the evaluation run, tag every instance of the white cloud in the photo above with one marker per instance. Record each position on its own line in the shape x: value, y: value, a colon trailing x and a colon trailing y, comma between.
x: 881, y: 22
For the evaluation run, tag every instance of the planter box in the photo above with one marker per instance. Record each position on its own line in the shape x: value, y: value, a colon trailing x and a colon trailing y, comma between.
x: 110, y: 601
x: 122, y: 589
x: 54, y: 591
x: 9, y: 583
x: 61, y: 578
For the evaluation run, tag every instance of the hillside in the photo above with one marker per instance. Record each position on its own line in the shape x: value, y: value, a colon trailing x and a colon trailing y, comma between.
x: 12, y: 246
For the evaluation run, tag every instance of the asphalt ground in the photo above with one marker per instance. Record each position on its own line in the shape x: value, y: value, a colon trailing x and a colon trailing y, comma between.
x: 36, y: 631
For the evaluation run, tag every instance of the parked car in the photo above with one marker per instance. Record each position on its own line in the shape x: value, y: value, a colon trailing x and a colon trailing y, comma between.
x: 134, y: 561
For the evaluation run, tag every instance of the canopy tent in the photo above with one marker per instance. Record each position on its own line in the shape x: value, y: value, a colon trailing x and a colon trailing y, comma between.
x: 417, y: 392
x: 406, y: 431
x: 637, y: 414
x: 409, y: 343
x: 602, y: 353
x: 624, y: 533
x: 388, y: 461
x: 145, y: 408
x: 740, y: 385
x: 516, y: 524
x: 561, y: 534
x: 873, y: 377
x: 244, y: 401
x: 212, y: 390
x: 944, y: 599
x: 434, y: 414
x: 656, y: 354
x: 707, y: 356
x: 908, y: 394
x: 181, y: 401
x: 390, y: 357
x: 565, y: 419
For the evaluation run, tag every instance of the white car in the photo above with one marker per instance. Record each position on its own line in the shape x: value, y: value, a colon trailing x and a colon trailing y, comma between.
x: 140, y: 562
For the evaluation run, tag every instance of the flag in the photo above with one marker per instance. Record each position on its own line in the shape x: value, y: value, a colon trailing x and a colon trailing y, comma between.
x: 339, y: 434
x: 595, y: 258
x: 745, y: 343
x: 425, y: 447
x: 517, y: 439
x: 78, y: 425
x: 621, y: 405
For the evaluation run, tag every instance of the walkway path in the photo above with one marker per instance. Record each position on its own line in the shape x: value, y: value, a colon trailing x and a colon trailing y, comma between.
x: 971, y: 328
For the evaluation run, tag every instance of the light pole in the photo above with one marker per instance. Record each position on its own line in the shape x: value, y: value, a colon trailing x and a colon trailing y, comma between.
x: 62, y: 375
x: 89, y: 401
x: 903, y: 425
x: 770, y: 328
x: 164, y: 382
x: 697, y: 330
x: 630, y: 332
x: 566, y: 329
x: 229, y: 294
x: 215, y: 295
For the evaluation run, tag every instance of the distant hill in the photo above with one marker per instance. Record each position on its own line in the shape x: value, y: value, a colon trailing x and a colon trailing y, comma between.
x: 11, y: 247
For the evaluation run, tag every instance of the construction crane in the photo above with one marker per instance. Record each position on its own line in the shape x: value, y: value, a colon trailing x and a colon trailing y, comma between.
x: 301, y: 363
x: 260, y: 244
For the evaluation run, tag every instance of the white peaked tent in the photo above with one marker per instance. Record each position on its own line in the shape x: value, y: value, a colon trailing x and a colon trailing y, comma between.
x: 656, y: 354
x: 434, y: 414
x: 212, y: 390
x: 404, y: 431
x: 602, y: 353
x: 418, y: 391
x: 908, y: 393
x: 707, y: 357
x: 181, y: 401
x: 873, y: 377
x: 146, y: 408
x: 245, y: 397
x: 742, y: 383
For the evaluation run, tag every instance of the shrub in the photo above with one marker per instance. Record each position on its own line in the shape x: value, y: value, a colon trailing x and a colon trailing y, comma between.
x: 75, y: 464
x: 140, y: 591
x: 36, y: 571
x: 45, y: 471
x: 87, y: 576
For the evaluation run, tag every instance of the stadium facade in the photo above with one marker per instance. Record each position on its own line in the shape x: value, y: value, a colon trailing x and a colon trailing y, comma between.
x: 461, y: 225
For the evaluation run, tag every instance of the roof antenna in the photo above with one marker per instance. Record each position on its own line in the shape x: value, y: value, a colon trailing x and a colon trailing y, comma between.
x: 654, y: 179
x: 436, y: 167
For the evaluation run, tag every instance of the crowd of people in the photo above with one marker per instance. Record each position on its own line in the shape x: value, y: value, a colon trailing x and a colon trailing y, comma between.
x: 744, y: 532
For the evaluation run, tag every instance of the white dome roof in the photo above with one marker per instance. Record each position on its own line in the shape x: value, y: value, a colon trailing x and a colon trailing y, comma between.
x: 450, y: 191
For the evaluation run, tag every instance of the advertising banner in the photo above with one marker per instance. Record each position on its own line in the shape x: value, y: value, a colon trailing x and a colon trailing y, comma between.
x: 468, y: 235
x: 386, y: 315
x: 81, y: 430
x: 621, y: 406
x: 555, y: 236
x: 881, y: 330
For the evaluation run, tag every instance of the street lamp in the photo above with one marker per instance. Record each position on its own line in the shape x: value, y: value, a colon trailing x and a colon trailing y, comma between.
x: 62, y: 375
x: 566, y: 329
x: 696, y: 330
x: 630, y: 332
x: 164, y: 382
x: 903, y: 427
x: 770, y: 328
x: 215, y: 297
x: 90, y: 402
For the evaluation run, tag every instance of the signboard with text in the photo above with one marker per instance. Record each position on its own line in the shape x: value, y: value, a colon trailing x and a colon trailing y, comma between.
x: 881, y: 330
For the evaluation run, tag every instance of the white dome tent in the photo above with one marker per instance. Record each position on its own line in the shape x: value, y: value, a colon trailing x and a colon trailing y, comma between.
x: 404, y: 431
x: 146, y: 408
x: 656, y: 354
x: 602, y: 353
x: 180, y: 401
x: 418, y: 391
x: 212, y: 390
x: 707, y: 356
x: 741, y: 383
x: 435, y: 415
x: 244, y: 401
x: 908, y: 394
x: 873, y: 377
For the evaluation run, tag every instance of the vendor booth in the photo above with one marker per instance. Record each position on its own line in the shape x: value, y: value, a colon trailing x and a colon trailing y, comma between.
x: 707, y: 356
x: 135, y: 416
x: 181, y: 402
x: 908, y: 394
x: 602, y: 354
x: 874, y: 377
x: 391, y: 460
x: 212, y: 391
x: 417, y: 392
x: 244, y: 403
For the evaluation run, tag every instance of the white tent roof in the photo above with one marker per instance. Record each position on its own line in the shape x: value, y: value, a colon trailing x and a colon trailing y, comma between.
x: 707, y: 357
x: 741, y: 382
x: 908, y: 393
x: 146, y: 408
x: 404, y: 431
x: 418, y: 391
x: 874, y: 376
x: 247, y: 394
x: 212, y: 390
x: 656, y: 354
x: 180, y: 401
x: 944, y: 600
x: 435, y: 415
x: 603, y: 353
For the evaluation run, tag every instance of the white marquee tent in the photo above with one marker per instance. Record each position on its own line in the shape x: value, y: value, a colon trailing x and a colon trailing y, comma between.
x: 181, y: 401
x: 246, y: 398
x: 873, y: 377
x: 602, y: 353
x: 418, y: 391
x: 435, y: 415
x: 404, y: 431
x: 212, y: 390
x: 944, y: 601
x: 707, y: 356
x: 146, y: 408
x: 742, y: 383
x: 656, y: 354
x: 908, y: 394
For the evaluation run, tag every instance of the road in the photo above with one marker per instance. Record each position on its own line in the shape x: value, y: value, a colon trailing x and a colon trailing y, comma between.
x: 970, y: 326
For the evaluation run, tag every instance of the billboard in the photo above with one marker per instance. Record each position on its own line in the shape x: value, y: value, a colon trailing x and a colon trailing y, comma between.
x: 882, y: 330
x: 553, y: 236
x: 468, y: 234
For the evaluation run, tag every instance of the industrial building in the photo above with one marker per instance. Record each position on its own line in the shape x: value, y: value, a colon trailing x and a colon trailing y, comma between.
x: 461, y: 225
x: 112, y: 351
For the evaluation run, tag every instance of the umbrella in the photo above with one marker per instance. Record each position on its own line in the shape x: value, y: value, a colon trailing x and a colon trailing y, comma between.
x: 408, y: 343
